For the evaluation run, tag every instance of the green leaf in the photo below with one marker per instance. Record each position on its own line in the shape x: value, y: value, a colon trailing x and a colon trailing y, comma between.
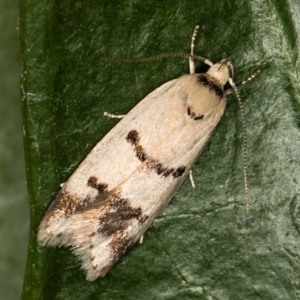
x: 14, y: 211
x: 201, y: 247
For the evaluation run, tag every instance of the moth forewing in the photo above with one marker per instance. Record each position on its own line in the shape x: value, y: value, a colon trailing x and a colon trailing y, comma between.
x: 133, y: 172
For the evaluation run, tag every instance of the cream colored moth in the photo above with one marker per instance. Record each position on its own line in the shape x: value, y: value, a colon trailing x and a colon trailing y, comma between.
x: 133, y: 172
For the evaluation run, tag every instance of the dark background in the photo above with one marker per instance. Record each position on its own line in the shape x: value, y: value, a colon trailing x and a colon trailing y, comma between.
x: 14, y: 212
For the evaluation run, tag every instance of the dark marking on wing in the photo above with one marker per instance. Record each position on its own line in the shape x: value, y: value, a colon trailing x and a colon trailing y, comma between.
x: 116, y: 214
x: 165, y: 171
x: 140, y: 153
x: 212, y: 84
x: 65, y: 205
x: 199, y: 117
x: 118, y: 245
x: 190, y: 112
x: 143, y: 219
x: 153, y: 164
x: 178, y: 172
x: 133, y: 138
x: 160, y: 169
x: 115, y: 218
x: 102, y: 188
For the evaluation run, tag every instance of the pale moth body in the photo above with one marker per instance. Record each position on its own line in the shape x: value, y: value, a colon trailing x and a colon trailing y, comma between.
x: 133, y: 172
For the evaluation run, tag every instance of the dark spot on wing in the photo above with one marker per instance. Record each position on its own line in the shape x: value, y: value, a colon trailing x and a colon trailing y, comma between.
x: 199, y: 117
x: 178, y: 172
x: 212, y: 84
x: 167, y: 172
x: 159, y: 168
x: 102, y: 188
x: 133, y: 137
x: 191, y: 113
x: 164, y: 171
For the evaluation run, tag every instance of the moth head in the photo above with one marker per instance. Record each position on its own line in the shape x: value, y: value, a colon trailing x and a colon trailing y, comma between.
x: 221, y: 71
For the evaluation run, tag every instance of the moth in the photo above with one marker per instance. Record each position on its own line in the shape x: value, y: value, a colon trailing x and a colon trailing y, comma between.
x: 133, y: 172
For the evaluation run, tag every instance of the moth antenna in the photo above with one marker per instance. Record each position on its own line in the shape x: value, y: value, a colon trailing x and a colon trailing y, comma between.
x: 191, y: 59
x: 250, y: 77
x: 194, y: 38
x: 191, y: 56
x: 229, y: 91
x: 245, y: 163
x: 157, y: 57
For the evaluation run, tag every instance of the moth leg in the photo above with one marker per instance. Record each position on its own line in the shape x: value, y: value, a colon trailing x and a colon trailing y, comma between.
x: 141, y: 239
x: 113, y: 116
x: 191, y: 179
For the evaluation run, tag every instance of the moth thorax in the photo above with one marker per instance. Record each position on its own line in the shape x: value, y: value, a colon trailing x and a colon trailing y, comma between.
x: 220, y: 72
